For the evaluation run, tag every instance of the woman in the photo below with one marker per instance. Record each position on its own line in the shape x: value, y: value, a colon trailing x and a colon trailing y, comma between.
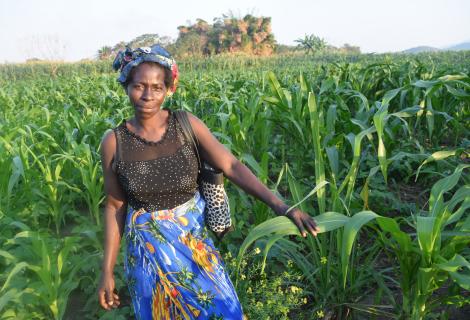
x: 172, y: 268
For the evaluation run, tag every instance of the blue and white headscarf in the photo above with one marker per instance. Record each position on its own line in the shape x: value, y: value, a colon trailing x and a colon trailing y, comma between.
x: 126, y: 60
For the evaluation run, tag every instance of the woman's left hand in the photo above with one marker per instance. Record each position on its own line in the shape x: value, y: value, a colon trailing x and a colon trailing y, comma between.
x: 303, y: 221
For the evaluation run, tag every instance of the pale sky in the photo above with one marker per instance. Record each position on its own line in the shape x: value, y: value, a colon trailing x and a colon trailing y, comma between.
x: 73, y: 30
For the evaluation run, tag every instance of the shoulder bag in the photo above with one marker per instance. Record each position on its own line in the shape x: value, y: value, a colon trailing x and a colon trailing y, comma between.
x: 211, y: 185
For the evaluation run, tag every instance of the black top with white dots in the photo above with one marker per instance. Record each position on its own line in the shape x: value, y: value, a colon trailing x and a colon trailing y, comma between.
x: 156, y: 175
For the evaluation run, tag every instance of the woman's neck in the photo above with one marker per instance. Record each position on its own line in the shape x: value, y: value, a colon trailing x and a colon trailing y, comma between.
x: 150, y: 125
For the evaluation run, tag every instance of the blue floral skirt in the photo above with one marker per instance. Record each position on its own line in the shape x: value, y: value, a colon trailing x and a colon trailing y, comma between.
x: 173, y: 270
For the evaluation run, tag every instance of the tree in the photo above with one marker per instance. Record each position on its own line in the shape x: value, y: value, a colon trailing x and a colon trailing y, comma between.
x: 349, y: 49
x: 227, y: 34
x: 105, y: 53
x: 149, y: 39
x: 145, y: 40
x: 119, y: 46
x: 190, y: 45
x: 311, y: 44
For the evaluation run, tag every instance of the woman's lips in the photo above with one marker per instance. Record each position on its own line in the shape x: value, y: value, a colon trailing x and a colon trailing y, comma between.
x: 144, y: 108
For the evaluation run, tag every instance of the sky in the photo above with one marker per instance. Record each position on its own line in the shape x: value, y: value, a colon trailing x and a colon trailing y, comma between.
x: 73, y: 30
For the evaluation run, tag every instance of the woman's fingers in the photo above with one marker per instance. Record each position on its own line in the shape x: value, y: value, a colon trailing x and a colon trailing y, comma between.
x: 116, y: 300
x: 312, y: 227
x: 102, y: 298
x: 110, y: 297
x: 108, y: 301
x: 306, y: 226
x: 304, y: 222
x: 302, y: 229
x: 297, y: 219
x: 300, y: 224
x: 107, y: 293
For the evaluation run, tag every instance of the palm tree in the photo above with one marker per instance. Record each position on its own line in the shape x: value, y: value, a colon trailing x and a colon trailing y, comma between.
x: 311, y: 43
x: 104, y: 53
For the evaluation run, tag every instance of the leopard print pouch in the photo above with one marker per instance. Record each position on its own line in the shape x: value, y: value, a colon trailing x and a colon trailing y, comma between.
x: 217, y: 211
x: 211, y: 186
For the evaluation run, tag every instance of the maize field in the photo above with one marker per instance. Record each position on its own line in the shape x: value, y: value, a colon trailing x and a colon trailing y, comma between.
x: 375, y: 147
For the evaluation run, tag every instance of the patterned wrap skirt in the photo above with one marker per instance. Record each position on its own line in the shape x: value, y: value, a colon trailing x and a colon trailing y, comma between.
x: 172, y: 268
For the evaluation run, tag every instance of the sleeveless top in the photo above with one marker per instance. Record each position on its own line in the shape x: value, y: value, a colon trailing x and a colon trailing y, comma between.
x: 156, y: 175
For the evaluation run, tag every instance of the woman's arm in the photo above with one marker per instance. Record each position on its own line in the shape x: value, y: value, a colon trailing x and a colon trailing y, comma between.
x: 218, y: 156
x: 114, y: 216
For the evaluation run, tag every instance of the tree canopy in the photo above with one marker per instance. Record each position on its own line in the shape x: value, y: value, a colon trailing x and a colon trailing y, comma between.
x: 250, y: 34
x: 227, y: 34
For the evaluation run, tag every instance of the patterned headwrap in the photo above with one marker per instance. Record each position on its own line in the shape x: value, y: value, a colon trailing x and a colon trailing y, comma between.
x: 126, y: 60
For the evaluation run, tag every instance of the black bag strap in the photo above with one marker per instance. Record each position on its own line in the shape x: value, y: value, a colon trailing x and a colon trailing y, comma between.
x: 118, y: 155
x: 207, y: 172
x: 188, y: 132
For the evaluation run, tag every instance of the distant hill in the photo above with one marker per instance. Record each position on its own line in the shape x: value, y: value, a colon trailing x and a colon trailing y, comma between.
x: 455, y: 47
x: 421, y: 49
x: 460, y: 46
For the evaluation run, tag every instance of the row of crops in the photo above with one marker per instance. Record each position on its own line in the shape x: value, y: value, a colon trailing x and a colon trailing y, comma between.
x: 375, y: 147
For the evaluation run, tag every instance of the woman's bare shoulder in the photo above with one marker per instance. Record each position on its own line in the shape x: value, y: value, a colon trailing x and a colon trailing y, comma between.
x: 196, y: 123
x: 108, y: 144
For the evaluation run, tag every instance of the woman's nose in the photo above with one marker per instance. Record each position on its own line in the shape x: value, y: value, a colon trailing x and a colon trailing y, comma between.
x: 147, y: 94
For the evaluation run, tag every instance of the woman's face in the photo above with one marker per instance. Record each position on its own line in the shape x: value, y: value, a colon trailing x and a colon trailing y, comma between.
x: 147, y: 89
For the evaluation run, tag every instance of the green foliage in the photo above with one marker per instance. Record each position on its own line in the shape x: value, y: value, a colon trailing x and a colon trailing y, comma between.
x: 250, y: 35
x: 50, y: 278
x: 266, y: 296
x: 433, y: 257
x: 145, y: 40
x: 312, y: 44
x: 357, y: 141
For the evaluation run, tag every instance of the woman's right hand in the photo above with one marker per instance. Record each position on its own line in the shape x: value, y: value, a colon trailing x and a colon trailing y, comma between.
x: 107, y: 297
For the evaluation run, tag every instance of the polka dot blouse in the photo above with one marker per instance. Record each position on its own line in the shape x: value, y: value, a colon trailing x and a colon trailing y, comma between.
x: 156, y: 175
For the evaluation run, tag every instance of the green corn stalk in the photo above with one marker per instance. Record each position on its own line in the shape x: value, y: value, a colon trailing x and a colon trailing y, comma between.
x: 277, y: 228
x: 457, y: 86
x: 92, y: 180
x: 9, y: 178
x: 319, y: 164
x: 260, y: 210
x: 434, y: 256
x: 53, y: 192
x: 440, y: 155
x: 54, y: 274
x: 380, y: 122
x: 319, y: 249
x: 254, y: 114
x: 86, y: 161
x: 350, y: 179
